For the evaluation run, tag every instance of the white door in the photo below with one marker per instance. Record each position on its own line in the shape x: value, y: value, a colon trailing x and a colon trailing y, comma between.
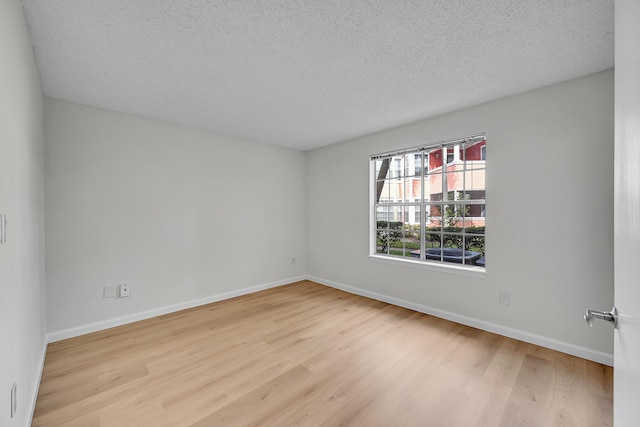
x: 626, y: 394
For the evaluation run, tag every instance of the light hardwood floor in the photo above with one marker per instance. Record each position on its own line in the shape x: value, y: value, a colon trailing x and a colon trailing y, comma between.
x: 306, y: 354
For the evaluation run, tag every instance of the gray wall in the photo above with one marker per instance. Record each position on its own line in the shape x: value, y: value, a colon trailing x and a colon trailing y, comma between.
x: 22, y: 303
x: 178, y: 213
x: 549, y: 206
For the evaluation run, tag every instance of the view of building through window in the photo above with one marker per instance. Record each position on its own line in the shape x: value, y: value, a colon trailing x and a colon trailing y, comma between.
x: 430, y: 202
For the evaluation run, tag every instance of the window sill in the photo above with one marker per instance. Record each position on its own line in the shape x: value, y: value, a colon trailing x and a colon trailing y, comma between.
x: 442, y: 268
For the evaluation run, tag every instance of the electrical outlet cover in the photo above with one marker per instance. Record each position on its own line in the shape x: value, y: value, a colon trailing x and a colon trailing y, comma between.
x: 505, y: 298
x: 125, y: 290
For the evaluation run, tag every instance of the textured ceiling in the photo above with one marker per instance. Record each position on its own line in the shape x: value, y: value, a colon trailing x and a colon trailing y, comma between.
x: 307, y: 73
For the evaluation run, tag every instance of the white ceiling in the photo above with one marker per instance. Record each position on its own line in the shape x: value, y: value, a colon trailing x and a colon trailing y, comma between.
x: 307, y: 73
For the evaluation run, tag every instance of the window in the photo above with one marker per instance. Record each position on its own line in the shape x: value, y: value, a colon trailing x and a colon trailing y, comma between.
x: 428, y: 210
x: 417, y: 163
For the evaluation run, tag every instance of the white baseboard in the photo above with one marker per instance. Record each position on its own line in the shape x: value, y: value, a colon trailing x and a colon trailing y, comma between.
x: 36, y: 385
x: 130, y: 318
x: 574, y: 350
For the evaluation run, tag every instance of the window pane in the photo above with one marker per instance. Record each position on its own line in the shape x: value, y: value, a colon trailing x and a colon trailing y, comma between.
x: 416, y: 189
x: 417, y: 164
x: 474, y: 195
x: 412, y: 189
x: 379, y: 165
x: 395, y: 217
x: 383, y: 189
x: 411, y: 231
x: 382, y: 217
x: 395, y: 237
x: 414, y: 218
x: 454, y: 184
x: 406, y: 190
x: 474, y: 165
x: 474, y: 155
x: 432, y: 238
x: 474, y: 180
x: 454, y: 252
x: 475, y: 229
x: 435, y: 197
x: 396, y: 167
x: 433, y: 254
x: 408, y: 165
x: 452, y: 255
x: 452, y: 240
x: 407, y: 217
x: 472, y: 150
x: 403, y: 241
x: 435, y: 160
x: 433, y: 217
x: 453, y: 215
x: 396, y: 190
x: 475, y: 215
x: 389, y: 234
x: 475, y: 243
x: 382, y: 242
x: 433, y: 187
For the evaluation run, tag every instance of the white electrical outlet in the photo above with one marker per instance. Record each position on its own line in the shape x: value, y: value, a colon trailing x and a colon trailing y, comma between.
x: 293, y: 260
x: 505, y: 298
x: 109, y: 292
x: 125, y: 290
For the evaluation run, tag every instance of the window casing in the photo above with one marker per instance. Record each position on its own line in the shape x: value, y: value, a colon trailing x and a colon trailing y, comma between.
x: 429, y: 203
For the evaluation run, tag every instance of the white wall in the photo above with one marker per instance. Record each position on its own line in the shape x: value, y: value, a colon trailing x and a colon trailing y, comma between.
x: 22, y: 301
x: 549, y: 206
x: 178, y: 213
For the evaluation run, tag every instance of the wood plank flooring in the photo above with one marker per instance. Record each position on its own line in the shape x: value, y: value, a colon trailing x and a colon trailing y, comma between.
x: 308, y: 355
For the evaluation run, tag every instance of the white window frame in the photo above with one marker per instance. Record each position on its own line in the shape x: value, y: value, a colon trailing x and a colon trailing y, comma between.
x: 422, y: 262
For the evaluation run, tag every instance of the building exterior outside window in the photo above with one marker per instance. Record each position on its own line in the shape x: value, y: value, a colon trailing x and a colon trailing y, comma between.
x: 429, y: 202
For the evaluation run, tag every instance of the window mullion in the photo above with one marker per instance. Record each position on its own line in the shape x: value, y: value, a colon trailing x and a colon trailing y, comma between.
x: 464, y: 206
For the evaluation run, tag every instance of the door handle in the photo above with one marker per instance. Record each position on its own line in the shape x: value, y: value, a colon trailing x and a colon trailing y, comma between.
x: 609, y: 316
